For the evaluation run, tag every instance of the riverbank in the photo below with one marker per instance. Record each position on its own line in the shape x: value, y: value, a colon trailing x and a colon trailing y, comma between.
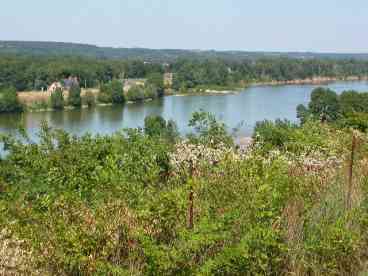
x: 240, y: 112
x: 235, y: 89
x: 310, y: 81
x: 37, y: 101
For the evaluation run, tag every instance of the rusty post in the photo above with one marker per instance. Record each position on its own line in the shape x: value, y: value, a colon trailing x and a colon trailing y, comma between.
x: 350, y: 175
x: 190, y: 211
x: 191, y: 199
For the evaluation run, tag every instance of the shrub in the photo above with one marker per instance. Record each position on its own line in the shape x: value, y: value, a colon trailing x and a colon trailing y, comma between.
x: 276, y: 134
x: 121, y: 204
x: 57, y: 99
x: 356, y: 120
x: 156, y: 80
x: 208, y: 131
x: 353, y: 101
x: 135, y: 93
x: 74, y: 98
x: 156, y: 126
x: 89, y: 99
x: 325, y: 104
x: 302, y: 113
x: 150, y: 92
x: 9, y: 101
x: 111, y: 93
x: 117, y: 93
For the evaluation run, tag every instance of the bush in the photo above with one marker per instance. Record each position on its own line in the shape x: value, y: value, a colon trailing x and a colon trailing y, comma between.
x: 117, y: 93
x: 104, y: 98
x: 352, y: 101
x: 276, y: 134
x: 208, y: 131
x: 121, y: 204
x: 89, y: 99
x: 325, y: 104
x: 111, y: 93
x: 150, y: 92
x: 74, y: 98
x: 302, y: 113
x: 156, y: 80
x: 135, y: 93
x: 356, y: 120
x: 57, y: 99
x: 156, y: 126
x: 9, y: 101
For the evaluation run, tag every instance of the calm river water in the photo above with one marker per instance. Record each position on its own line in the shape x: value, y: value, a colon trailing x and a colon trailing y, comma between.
x: 241, y: 109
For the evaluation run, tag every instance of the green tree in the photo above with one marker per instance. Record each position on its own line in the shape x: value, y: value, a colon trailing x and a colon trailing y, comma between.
x: 75, y: 96
x: 111, y: 93
x: 117, y: 94
x: 208, y: 130
x: 9, y: 101
x: 274, y: 134
x: 352, y: 101
x: 156, y: 80
x: 57, y: 99
x: 154, y: 126
x: 135, y: 93
x: 325, y: 104
x: 357, y: 120
x: 302, y: 113
x: 150, y: 92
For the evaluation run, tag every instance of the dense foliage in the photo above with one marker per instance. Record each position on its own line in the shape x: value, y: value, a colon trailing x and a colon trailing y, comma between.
x: 349, y: 109
x: 111, y: 92
x: 44, y: 48
x: 140, y: 93
x: 141, y: 203
x: 57, y: 99
x: 9, y: 101
x: 34, y: 73
x: 74, y: 98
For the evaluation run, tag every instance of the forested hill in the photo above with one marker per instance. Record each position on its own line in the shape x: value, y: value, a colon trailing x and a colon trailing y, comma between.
x: 161, y: 55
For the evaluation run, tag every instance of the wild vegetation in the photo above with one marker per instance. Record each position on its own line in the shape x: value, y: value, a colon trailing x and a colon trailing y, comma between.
x: 9, y: 101
x: 149, y: 202
x: 57, y: 99
x: 75, y: 98
x: 350, y: 109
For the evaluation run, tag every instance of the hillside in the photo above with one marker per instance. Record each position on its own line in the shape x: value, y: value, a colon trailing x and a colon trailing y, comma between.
x: 155, y: 55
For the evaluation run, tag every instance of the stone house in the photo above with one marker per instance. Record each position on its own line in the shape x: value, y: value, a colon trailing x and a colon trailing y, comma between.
x: 54, y: 86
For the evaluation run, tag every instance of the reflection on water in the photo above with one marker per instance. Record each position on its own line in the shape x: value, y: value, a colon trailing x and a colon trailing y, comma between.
x: 249, y: 106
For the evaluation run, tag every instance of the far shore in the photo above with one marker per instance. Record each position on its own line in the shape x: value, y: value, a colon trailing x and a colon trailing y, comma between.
x: 310, y: 81
x: 29, y: 98
x: 316, y: 81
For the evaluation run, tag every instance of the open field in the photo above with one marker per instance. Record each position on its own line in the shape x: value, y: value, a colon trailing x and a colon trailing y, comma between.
x: 31, y: 97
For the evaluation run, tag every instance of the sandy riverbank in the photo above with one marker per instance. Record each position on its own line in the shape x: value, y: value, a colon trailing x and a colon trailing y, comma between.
x: 313, y: 81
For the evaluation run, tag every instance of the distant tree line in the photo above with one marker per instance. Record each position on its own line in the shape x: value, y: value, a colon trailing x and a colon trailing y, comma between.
x: 35, y: 73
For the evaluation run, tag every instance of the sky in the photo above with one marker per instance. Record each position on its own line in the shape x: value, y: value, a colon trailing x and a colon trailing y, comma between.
x: 249, y: 25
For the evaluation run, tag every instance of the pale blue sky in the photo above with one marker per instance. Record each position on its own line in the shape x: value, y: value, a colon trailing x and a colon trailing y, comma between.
x: 272, y: 25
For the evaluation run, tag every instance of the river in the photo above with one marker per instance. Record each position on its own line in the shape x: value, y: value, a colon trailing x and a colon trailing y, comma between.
x: 241, y: 109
